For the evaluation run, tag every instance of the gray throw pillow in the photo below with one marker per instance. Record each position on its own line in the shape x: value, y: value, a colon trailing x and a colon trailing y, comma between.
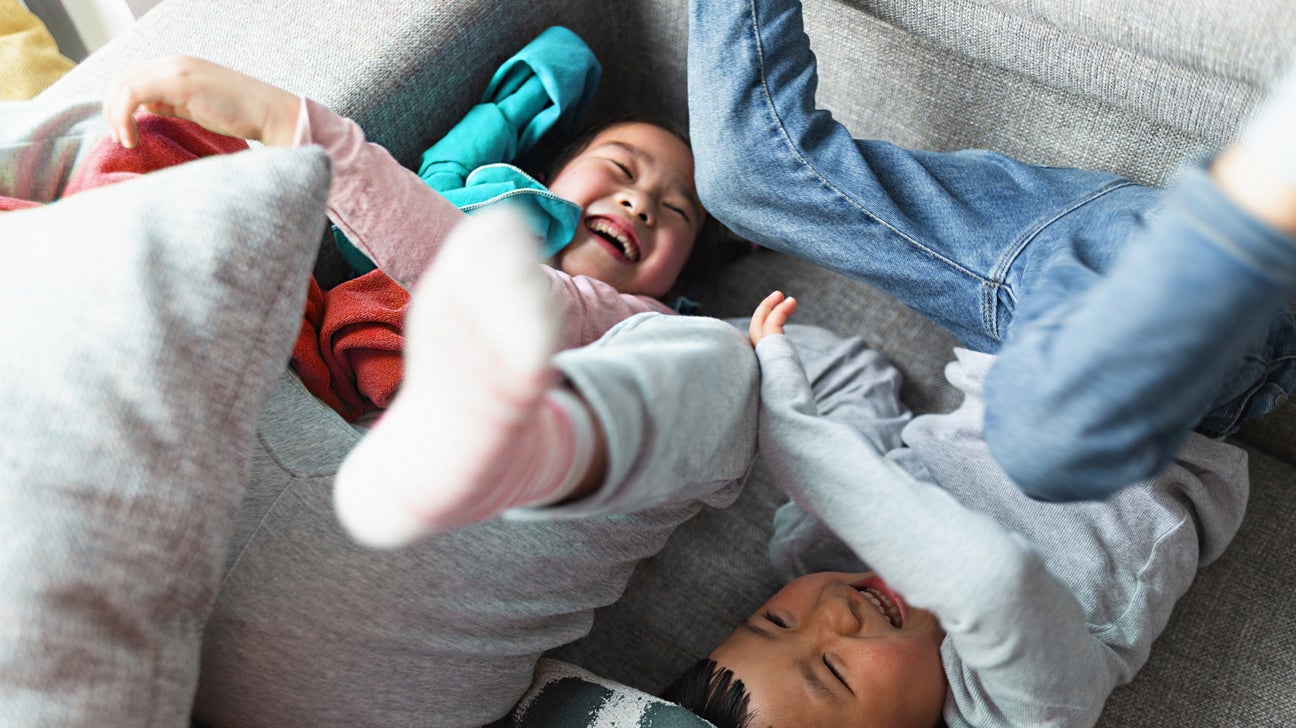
x: 143, y: 324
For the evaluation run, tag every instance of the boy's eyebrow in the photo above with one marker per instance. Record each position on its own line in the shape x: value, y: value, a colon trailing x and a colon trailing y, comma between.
x: 812, y: 679
x: 813, y: 682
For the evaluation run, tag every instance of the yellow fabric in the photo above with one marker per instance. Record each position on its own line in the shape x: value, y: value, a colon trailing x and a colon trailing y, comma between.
x: 29, y: 58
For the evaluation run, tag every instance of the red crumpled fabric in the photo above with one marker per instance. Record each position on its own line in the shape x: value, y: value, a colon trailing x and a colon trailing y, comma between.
x: 348, y: 352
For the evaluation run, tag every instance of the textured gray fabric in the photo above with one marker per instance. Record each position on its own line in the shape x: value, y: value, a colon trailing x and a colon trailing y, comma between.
x: 145, y: 321
x: 1228, y: 656
x: 1273, y: 434
x: 1055, y: 82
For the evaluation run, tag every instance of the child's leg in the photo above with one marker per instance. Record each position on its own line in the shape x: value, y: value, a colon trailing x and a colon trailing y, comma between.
x: 468, y: 610
x: 481, y: 425
x: 478, y: 404
x: 676, y: 398
x: 938, y: 231
x: 1259, y: 172
x: 1189, y: 329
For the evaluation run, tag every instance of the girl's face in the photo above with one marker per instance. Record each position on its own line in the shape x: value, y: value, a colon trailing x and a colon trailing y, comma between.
x: 642, y: 214
x: 834, y: 649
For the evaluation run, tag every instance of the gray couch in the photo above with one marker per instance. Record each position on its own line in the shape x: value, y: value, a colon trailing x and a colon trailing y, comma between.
x: 1129, y: 86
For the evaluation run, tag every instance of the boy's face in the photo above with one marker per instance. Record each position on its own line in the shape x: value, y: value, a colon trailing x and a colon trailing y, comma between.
x: 642, y: 214
x: 821, y: 652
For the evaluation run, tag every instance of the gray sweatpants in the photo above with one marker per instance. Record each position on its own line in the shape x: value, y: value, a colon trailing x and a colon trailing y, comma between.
x: 310, y: 629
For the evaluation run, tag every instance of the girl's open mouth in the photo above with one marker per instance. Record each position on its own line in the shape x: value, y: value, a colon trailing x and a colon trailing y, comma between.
x: 621, y: 240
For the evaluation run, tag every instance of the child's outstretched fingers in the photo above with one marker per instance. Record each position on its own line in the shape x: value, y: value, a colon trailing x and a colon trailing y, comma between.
x: 770, y: 316
x: 217, y: 98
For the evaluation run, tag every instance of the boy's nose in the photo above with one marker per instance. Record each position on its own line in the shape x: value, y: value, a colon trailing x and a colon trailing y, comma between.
x: 836, y: 616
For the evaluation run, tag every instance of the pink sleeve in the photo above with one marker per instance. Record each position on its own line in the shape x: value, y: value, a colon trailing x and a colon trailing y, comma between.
x: 399, y: 222
x: 384, y: 209
x: 590, y: 307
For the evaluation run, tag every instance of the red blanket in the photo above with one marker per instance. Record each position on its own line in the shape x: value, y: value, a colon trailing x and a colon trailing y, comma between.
x: 348, y: 351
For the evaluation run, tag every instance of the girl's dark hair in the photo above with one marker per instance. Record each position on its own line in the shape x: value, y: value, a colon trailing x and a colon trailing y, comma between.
x: 713, y: 694
x: 556, y: 160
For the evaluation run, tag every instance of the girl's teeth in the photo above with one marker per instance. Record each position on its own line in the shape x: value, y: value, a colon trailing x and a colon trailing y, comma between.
x: 614, y: 234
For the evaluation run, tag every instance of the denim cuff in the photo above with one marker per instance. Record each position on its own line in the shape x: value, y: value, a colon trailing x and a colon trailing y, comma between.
x: 1260, y: 247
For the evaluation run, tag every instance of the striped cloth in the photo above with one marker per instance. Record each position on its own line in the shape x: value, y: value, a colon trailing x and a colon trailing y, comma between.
x: 566, y: 696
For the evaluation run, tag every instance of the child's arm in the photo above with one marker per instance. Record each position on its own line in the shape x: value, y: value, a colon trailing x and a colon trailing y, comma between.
x: 382, y: 207
x: 770, y: 317
x: 216, y: 98
x: 1009, y: 621
x: 393, y: 217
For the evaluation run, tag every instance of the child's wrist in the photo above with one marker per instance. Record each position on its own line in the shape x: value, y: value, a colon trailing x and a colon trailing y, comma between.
x: 280, y: 126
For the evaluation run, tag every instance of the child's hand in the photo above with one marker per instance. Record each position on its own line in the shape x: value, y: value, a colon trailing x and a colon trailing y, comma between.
x: 770, y: 316
x: 217, y: 98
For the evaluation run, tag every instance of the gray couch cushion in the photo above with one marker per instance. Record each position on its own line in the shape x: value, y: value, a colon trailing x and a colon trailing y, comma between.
x: 144, y: 322
x: 1226, y: 658
x: 1128, y: 87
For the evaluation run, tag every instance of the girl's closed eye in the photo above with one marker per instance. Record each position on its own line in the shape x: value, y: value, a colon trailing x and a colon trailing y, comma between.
x: 772, y: 619
x: 678, y: 211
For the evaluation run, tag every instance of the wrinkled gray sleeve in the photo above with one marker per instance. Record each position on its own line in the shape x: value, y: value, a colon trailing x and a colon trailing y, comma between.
x: 1007, y: 620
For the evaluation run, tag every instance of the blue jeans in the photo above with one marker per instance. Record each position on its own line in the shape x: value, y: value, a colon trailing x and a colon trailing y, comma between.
x: 1123, y: 316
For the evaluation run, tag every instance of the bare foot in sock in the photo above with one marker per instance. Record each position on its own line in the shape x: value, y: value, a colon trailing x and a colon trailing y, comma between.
x: 480, y: 334
x: 1259, y: 171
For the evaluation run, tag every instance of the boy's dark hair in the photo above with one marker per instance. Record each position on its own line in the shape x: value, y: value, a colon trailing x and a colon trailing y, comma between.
x: 713, y: 694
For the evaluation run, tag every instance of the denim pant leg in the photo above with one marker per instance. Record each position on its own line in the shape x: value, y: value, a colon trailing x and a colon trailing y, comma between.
x: 1186, y: 329
x: 941, y: 232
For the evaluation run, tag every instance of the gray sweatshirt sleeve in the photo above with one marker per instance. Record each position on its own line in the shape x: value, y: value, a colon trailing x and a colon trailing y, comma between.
x: 1017, y: 649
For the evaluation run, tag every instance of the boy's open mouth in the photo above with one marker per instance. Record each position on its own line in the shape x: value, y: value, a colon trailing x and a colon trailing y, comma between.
x: 887, y: 603
x: 621, y: 240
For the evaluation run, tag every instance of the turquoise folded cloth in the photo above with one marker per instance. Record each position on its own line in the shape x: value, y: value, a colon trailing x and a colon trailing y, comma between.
x: 545, y: 87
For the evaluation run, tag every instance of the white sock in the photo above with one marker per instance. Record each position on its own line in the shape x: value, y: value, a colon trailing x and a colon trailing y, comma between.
x: 542, y: 465
x: 1269, y: 133
x: 477, y: 393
